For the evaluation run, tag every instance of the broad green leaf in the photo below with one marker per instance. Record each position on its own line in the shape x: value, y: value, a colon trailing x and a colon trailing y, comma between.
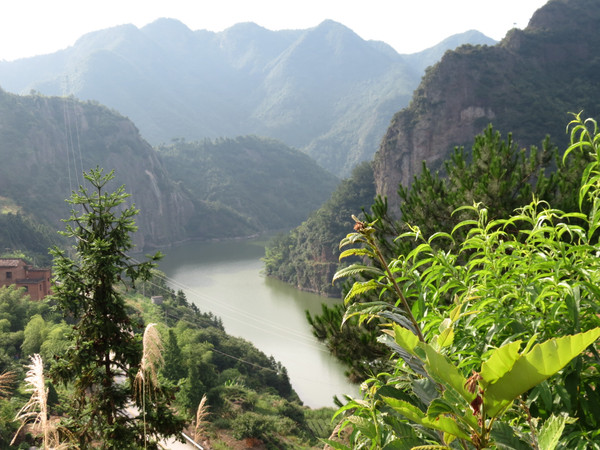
x: 543, y: 361
x: 445, y: 338
x: 336, y: 445
x: 551, y: 432
x: 438, y: 407
x: 441, y: 369
x: 505, y: 438
x: 408, y: 410
x: 406, y: 339
x: 414, y: 414
x: 500, y: 361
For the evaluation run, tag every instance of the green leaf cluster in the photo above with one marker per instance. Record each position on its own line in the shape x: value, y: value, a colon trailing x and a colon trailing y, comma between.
x: 499, y: 282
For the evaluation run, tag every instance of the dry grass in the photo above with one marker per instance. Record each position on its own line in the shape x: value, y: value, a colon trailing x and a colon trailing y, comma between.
x: 7, y: 380
x: 146, y: 379
x: 201, y: 416
x: 35, y: 411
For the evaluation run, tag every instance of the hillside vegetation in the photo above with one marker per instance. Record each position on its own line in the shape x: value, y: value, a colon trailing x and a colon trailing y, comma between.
x: 210, y: 190
x: 245, y: 185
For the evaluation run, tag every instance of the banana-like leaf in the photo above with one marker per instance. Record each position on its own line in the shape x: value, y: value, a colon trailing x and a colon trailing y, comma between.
x: 500, y: 362
x: 530, y: 369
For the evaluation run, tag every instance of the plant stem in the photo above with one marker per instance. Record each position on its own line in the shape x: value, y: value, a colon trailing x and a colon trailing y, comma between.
x: 405, y: 304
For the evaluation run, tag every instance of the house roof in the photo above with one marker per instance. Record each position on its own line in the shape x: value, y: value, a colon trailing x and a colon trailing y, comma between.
x: 11, y: 262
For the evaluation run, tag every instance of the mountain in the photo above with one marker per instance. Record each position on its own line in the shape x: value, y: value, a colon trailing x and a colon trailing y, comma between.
x: 245, y: 185
x: 527, y: 85
x: 323, y: 90
x: 428, y: 57
x: 210, y: 190
x: 45, y: 145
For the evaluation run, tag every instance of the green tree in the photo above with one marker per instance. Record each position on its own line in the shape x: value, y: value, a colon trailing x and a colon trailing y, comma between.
x: 35, y: 333
x: 105, y: 346
x: 174, y: 368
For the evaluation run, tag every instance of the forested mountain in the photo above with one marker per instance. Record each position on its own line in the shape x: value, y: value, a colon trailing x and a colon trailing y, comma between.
x: 229, y: 188
x: 527, y: 85
x: 323, y: 90
x: 45, y: 145
x: 245, y: 185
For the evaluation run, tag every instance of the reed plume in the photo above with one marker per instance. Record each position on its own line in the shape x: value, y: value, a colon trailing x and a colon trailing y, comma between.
x: 6, y: 381
x: 36, y: 409
x: 146, y: 380
x: 201, y: 416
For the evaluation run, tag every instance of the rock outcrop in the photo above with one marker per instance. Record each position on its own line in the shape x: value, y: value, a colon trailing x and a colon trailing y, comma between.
x: 527, y: 85
x: 47, y: 142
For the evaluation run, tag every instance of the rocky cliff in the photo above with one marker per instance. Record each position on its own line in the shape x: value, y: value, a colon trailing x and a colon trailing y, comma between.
x: 527, y: 84
x: 47, y: 142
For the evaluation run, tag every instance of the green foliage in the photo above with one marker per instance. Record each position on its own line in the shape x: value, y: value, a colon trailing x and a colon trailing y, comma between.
x: 21, y: 233
x: 468, y: 306
x: 104, y: 345
x: 496, y: 172
x: 246, y: 185
x: 307, y: 257
x: 251, y: 425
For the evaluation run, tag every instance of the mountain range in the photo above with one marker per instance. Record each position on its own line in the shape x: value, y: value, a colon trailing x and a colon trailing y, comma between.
x: 323, y: 90
x: 526, y: 85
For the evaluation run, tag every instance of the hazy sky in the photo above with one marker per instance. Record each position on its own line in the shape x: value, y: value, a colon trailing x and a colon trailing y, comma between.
x: 32, y: 27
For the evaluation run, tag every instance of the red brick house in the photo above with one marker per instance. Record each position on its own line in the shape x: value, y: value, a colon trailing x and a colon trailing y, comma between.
x: 16, y: 271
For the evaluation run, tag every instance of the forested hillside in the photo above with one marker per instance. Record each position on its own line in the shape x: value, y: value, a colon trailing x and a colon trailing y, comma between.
x: 227, y: 188
x: 323, y: 90
x: 307, y: 257
x: 245, y: 185
x: 47, y: 142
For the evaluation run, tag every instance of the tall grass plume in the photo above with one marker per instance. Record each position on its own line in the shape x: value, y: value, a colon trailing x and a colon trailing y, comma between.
x: 201, y: 415
x: 35, y: 411
x: 146, y: 379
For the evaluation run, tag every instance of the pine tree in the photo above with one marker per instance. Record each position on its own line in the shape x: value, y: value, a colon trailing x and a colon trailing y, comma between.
x: 104, y: 358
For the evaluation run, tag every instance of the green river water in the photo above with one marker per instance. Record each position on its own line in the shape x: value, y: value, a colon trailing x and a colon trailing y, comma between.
x: 225, y: 278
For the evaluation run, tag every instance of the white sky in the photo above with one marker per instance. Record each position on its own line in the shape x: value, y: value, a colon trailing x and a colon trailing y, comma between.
x: 33, y: 27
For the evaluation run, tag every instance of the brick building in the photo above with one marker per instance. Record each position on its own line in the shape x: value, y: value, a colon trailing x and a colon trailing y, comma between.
x: 35, y: 281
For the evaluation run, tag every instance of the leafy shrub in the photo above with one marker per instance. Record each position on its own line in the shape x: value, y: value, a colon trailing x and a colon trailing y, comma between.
x: 465, y: 321
x: 252, y: 425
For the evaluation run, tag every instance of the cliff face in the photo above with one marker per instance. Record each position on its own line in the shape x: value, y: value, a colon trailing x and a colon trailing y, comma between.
x: 45, y: 145
x: 526, y: 85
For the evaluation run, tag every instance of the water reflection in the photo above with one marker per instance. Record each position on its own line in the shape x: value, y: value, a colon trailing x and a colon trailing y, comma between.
x: 225, y: 278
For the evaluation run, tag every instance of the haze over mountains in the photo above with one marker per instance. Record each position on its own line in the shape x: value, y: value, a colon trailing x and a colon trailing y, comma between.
x: 323, y: 90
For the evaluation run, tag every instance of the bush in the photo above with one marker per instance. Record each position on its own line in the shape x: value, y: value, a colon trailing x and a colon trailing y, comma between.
x: 252, y: 425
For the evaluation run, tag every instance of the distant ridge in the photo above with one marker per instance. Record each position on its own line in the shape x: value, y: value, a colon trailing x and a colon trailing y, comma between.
x: 323, y: 90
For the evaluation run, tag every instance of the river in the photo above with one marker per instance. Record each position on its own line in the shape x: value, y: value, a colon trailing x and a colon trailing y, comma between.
x: 225, y: 278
